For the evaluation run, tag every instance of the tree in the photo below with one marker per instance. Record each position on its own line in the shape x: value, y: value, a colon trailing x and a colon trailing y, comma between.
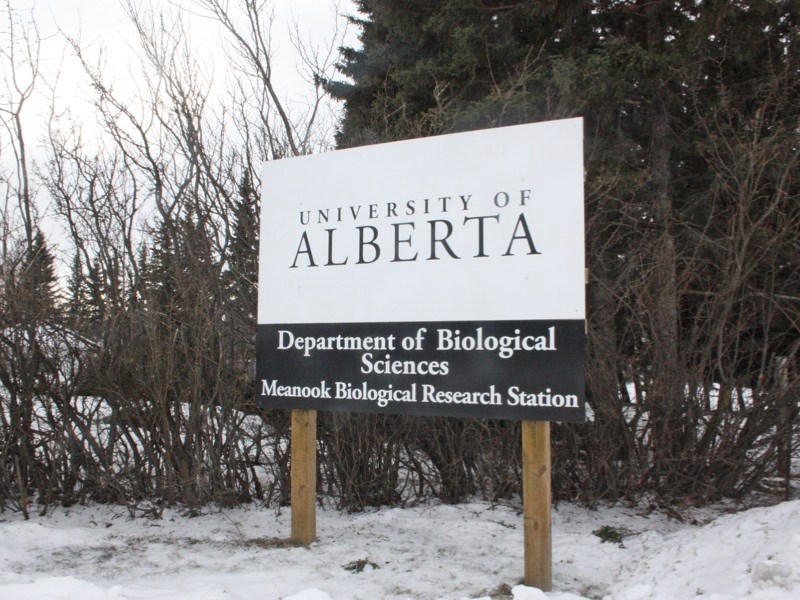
x: 36, y: 285
x: 28, y: 273
x: 162, y: 213
x: 689, y: 110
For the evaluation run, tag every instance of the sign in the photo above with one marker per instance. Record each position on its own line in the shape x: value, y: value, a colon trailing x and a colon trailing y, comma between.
x: 438, y: 276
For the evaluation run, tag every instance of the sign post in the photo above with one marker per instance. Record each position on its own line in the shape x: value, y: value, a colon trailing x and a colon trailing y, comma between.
x: 442, y: 276
x: 304, y: 476
x: 536, y: 520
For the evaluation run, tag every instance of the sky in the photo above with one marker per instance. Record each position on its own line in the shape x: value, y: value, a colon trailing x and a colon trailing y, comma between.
x: 103, y: 30
x: 103, y: 25
x: 103, y: 22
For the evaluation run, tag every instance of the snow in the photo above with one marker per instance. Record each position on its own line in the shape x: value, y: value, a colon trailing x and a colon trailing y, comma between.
x: 467, y: 551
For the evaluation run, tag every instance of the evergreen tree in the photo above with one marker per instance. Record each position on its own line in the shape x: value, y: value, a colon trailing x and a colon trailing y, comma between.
x: 242, y: 269
x: 78, y: 293
x: 426, y: 66
x: 96, y: 301
x: 690, y: 115
x: 36, y: 296
x: 239, y: 289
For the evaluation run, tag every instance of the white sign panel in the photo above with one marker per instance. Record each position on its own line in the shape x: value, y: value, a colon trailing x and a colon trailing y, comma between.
x: 477, y: 238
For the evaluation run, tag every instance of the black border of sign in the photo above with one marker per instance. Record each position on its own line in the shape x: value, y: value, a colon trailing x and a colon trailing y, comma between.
x: 561, y: 370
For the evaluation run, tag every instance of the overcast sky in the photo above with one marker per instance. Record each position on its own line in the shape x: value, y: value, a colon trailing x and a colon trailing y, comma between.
x: 103, y: 24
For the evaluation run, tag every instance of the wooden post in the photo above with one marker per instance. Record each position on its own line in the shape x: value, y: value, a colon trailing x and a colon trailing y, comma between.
x: 304, y: 476
x: 536, y: 504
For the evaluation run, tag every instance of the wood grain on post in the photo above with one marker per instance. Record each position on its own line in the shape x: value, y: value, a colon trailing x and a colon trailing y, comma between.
x: 304, y: 476
x: 536, y: 504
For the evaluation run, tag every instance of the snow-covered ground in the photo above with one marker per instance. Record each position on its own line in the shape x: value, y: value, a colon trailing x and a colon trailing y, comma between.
x: 465, y: 551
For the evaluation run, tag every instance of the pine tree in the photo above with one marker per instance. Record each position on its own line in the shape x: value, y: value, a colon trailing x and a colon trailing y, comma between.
x: 78, y: 295
x: 96, y: 298
x: 690, y: 115
x: 429, y: 67
x: 36, y: 282
x: 242, y: 269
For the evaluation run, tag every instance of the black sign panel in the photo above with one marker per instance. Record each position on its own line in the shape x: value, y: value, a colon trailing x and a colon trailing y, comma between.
x: 498, y: 369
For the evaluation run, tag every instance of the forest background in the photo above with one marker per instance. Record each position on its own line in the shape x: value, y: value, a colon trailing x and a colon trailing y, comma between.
x: 130, y: 380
